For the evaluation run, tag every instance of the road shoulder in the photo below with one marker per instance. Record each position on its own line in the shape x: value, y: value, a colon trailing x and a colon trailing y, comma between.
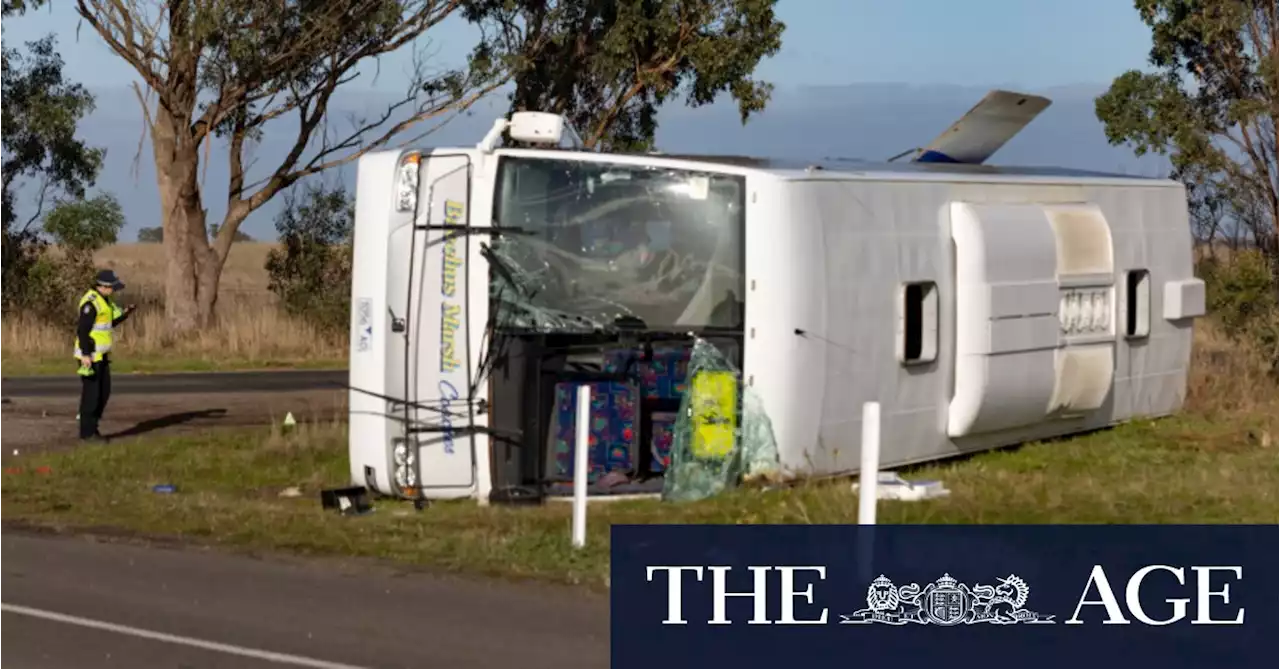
x: 351, y: 611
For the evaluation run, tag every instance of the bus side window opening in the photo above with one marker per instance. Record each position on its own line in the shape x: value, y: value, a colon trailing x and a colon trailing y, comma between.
x: 1137, y: 322
x: 918, y: 322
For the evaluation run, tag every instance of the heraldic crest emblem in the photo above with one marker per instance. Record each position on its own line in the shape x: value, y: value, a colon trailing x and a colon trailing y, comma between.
x: 947, y: 602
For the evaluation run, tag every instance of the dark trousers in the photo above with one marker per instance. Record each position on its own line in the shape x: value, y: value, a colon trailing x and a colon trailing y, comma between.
x: 95, y: 390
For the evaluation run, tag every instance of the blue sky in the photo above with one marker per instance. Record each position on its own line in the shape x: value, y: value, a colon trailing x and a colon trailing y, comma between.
x: 1030, y: 43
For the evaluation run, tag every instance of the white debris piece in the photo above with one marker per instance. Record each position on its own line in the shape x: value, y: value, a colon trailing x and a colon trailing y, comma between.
x: 893, y: 487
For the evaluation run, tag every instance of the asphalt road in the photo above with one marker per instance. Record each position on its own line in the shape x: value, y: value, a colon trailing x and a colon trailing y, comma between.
x: 72, y: 602
x: 195, y: 383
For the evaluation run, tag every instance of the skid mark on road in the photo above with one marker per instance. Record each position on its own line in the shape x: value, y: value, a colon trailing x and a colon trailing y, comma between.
x: 265, y: 655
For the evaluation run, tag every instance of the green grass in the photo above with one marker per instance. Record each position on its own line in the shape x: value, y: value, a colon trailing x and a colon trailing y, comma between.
x: 50, y: 366
x: 1179, y: 470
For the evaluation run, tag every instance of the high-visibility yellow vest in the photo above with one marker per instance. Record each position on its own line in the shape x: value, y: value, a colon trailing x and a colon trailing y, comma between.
x: 101, y: 333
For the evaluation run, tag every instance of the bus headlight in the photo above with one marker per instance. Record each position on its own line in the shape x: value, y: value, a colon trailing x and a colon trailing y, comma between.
x: 405, y: 457
x: 407, y: 182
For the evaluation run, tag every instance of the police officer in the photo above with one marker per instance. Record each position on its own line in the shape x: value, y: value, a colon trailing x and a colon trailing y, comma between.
x: 98, y: 316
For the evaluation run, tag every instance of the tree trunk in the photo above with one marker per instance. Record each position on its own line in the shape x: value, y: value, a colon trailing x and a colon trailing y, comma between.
x: 210, y: 261
x: 1269, y: 243
x: 182, y: 216
x: 1272, y: 235
x: 208, y: 275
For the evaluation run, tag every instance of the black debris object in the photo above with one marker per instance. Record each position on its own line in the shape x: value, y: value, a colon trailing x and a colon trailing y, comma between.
x: 353, y: 501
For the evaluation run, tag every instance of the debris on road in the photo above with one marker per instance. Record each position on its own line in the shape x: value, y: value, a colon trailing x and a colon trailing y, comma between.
x: 353, y: 501
x: 291, y: 491
x: 164, y: 488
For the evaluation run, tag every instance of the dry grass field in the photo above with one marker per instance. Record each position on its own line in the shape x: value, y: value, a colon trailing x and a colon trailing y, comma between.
x: 251, y: 332
x: 1230, y: 381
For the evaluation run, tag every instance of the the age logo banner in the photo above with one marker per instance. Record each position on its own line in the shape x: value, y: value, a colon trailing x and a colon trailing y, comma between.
x: 1081, y: 597
x: 947, y: 601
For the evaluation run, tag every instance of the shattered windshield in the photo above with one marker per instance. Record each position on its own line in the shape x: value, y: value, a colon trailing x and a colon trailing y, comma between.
x: 596, y: 244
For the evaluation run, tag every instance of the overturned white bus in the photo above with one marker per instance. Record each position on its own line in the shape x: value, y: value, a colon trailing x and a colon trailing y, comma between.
x: 981, y: 306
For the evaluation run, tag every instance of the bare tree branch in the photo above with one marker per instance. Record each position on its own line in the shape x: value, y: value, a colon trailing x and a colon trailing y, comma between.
x: 116, y: 30
x: 287, y: 175
x: 44, y: 191
x: 147, y: 126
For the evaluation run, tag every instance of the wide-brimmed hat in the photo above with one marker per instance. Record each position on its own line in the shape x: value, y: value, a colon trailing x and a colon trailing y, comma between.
x: 108, y: 278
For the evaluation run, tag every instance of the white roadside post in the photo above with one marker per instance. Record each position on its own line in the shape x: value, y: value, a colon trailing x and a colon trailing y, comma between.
x: 868, y: 488
x: 869, y: 473
x: 581, y: 450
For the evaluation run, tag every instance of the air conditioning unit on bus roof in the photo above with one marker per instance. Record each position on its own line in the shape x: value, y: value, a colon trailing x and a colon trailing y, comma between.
x: 531, y: 128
